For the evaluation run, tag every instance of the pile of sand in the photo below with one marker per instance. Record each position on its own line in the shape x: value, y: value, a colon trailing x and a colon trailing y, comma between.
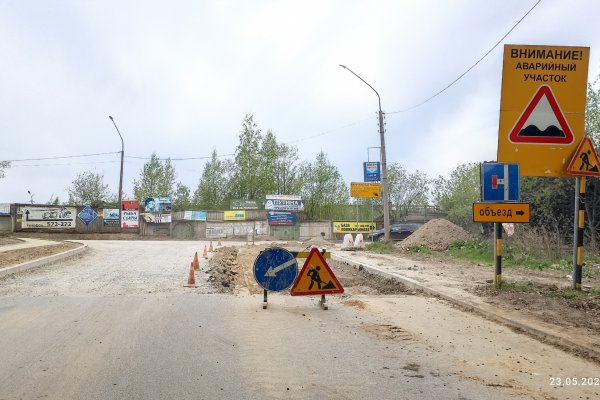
x: 436, y: 234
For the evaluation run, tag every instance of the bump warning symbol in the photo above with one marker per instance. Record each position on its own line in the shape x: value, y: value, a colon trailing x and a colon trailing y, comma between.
x: 585, y: 159
x: 316, y: 277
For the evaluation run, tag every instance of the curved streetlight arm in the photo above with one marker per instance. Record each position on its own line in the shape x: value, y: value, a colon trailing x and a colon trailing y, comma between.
x: 122, y: 143
x: 365, y: 82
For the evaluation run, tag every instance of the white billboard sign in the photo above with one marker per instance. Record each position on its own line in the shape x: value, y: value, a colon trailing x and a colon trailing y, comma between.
x: 48, y: 217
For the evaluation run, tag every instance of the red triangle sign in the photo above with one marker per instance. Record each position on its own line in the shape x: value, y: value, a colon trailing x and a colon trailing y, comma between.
x: 316, y: 277
x: 542, y: 122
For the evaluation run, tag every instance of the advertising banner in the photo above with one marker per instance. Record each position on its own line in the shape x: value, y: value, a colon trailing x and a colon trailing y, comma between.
x: 5, y: 209
x: 284, y: 203
x: 110, y: 217
x: 244, y: 205
x: 48, y: 217
x: 195, y: 215
x: 372, y: 171
x: 157, y: 218
x: 130, y: 219
x: 130, y: 205
x: 158, y: 204
x: 130, y: 214
x: 237, y: 215
x: 353, y: 227
x: 281, y: 218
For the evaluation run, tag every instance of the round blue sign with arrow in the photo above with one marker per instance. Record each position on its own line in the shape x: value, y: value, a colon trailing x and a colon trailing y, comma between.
x: 275, y: 269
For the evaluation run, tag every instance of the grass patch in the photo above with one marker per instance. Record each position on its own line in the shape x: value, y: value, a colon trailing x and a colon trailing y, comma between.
x: 380, y: 247
x: 472, y: 250
x: 482, y: 252
x: 422, y: 250
x: 593, y: 294
x: 507, y: 286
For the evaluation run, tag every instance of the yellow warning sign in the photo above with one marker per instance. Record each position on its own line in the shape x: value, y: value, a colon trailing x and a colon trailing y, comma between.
x: 369, y: 190
x: 542, y: 107
x: 316, y: 277
x: 585, y: 159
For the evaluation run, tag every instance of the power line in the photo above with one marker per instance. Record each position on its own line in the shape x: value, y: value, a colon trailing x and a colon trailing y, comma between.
x: 470, y: 68
x: 179, y: 159
x: 60, y: 157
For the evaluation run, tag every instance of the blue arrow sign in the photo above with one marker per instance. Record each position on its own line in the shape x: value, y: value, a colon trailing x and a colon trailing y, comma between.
x: 87, y: 215
x: 500, y: 182
x: 275, y: 269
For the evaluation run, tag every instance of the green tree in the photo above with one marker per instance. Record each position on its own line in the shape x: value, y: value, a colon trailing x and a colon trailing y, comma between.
x: 212, y: 190
x: 406, y: 190
x: 157, y: 179
x: 592, y: 128
x: 247, y: 162
x: 182, y: 200
x: 288, y: 170
x: 323, y: 188
x: 89, y: 189
x: 456, y: 194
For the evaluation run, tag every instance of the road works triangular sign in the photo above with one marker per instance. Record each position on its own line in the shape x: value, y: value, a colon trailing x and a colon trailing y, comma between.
x: 542, y: 122
x: 585, y: 159
x: 316, y: 277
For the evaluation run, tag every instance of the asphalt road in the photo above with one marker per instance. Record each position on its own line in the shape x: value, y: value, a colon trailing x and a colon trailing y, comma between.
x: 117, y: 323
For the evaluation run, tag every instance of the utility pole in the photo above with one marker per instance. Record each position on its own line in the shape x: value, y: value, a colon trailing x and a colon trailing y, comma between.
x: 384, y: 179
x: 121, y: 176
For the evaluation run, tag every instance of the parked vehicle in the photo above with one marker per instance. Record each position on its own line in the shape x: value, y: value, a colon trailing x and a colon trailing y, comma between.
x: 397, y: 232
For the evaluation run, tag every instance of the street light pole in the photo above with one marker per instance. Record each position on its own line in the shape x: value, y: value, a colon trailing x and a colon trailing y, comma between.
x: 384, y: 179
x: 121, y: 177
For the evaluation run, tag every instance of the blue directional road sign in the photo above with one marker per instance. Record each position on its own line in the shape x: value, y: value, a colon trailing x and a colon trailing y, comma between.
x: 275, y: 269
x: 87, y: 215
x: 499, y: 182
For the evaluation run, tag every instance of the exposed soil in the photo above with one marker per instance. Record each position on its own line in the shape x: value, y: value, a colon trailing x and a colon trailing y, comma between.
x: 231, y: 271
x: 4, y: 241
x: 14, y: 257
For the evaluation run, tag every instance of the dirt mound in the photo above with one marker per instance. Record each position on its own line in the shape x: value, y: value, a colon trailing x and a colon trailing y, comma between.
x: 436, y: 234
x: 318, y: 242
x: 222, y: 268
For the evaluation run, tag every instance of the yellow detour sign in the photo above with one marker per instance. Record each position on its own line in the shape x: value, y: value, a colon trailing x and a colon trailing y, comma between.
x: 370, y: 190
x: 585, y: 159
x: 542, y: 107
x: 501, y: 212
x: 316, y: 277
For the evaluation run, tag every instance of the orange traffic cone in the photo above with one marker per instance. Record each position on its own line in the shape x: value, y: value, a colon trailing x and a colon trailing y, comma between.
x: 210, y: 248
x: 196, y: 263
x: 204, y: 254
x: 191, y: 277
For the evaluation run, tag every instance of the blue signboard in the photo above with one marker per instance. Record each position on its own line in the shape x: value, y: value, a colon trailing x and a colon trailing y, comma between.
x: 281, y: 218
x: 87, y: 215
x: 372, y: 171
x: 275, y: 269
x: 499, y: 182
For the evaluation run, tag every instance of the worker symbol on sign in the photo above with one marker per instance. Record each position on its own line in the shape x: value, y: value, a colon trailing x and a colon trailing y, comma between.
x: 316, y: 277
x: 585, y: 159
x: 585, y: 162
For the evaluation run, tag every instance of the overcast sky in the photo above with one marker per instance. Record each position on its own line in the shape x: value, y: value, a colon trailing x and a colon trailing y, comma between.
x: 179, y: 76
